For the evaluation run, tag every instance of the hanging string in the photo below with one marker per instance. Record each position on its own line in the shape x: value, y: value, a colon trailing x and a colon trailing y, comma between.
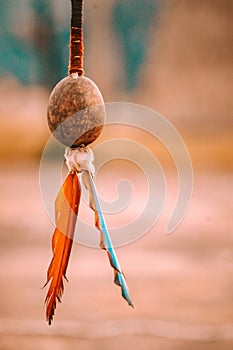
x: 76, y: 38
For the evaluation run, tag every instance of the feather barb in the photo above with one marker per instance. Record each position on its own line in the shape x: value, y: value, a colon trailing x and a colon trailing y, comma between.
x: 66, y: 210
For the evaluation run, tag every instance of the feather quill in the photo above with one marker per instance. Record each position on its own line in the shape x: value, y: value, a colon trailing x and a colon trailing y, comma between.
x: 66, y: 210
x: 105, y: 240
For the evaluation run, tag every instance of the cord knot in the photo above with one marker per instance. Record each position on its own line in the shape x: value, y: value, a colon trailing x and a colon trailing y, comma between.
x: 80, y: 159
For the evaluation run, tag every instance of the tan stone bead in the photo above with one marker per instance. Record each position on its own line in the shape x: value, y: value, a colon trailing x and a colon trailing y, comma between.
x: 76, y: 111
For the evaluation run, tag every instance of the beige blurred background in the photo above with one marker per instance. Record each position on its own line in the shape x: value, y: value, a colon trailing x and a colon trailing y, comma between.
x: 181, y: 283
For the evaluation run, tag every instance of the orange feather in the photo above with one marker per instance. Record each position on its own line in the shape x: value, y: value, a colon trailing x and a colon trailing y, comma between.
x: 66, y: 210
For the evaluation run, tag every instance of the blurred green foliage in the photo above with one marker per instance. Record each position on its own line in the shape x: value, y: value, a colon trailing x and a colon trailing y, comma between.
x: 34, y: 47
x: 132, y: 20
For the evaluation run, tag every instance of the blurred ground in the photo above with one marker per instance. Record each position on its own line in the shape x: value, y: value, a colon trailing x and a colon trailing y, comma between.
x: 181, y: 284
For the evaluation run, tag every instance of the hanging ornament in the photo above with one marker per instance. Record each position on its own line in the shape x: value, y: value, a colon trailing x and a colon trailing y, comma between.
x: 76, y: 116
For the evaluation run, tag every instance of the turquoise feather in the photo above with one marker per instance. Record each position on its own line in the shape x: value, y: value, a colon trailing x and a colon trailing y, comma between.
x: 106, y: 242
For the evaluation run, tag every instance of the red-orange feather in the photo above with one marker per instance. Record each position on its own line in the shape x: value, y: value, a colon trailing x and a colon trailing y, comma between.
x: 66, y: 210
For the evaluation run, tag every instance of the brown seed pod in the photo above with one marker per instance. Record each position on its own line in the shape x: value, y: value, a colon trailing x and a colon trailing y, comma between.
x: 76, y: 111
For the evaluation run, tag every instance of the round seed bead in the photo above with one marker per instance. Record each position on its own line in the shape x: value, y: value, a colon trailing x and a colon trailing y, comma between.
x: 76, y: 111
